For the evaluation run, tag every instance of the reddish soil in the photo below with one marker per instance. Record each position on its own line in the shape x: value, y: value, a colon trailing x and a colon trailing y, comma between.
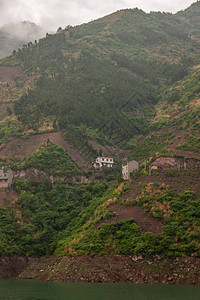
x: 75, y: 154
x: 126, y: 269
x: 181, y: 180
x: 186, y: 153
x: 8, y: 74
x: 20, y: 148
x: 7, y: 196
x: 182, y: 140
x: 146, y: 222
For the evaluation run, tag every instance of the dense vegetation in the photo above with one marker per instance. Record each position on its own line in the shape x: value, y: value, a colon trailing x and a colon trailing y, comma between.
x: 106, y: 75
x: 132, y: 80
x: 181, y: 227
x: 41, y: 214
x: 53, y: 160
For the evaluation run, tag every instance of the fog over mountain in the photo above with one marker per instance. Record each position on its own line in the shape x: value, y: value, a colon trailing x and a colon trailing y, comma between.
x: 14, y: 35
x: 22, y: 31
x: 55, y: 13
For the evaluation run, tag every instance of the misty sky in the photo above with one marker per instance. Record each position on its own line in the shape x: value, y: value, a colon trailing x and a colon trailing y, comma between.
x: 51, y: 14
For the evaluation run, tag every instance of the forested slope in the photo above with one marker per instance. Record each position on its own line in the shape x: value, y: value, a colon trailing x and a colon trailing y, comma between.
x: 129, y: 81
x: 106, y: 75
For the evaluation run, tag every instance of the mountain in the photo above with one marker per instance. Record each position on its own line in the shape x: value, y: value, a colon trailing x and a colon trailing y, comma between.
x: 115, y: 66
x: 14, y: 36
x: 128, y: 86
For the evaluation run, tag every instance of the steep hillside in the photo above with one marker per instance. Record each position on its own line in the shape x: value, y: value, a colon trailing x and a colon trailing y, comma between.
x: 175, y: 129
x: 101, y: 80
x: 126, y: 85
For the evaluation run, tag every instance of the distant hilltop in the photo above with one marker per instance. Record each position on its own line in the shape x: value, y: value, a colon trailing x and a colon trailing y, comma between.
x: 13, y: 36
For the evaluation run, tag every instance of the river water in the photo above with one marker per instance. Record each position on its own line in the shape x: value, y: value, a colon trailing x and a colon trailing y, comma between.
x: 38, y: 290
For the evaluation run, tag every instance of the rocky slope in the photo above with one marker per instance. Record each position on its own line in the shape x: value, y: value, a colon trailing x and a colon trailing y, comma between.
x: 113, y: 269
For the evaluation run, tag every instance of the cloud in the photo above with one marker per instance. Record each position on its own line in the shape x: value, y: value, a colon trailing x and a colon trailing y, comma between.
x: 52, y: 14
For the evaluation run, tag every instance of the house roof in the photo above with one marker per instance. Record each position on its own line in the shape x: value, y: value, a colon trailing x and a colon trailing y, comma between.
x: 126, y: 163
x: 105, y: 157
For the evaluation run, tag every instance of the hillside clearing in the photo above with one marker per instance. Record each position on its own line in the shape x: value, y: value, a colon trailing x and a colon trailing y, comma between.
x: 23, y: 148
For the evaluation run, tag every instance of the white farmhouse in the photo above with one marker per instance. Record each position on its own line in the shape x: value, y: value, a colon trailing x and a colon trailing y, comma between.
x: 103, y: 161
x: 6, y: 177
x: 128, y: 168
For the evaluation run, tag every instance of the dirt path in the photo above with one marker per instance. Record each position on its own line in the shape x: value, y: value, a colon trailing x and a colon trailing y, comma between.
x: 20, y: 148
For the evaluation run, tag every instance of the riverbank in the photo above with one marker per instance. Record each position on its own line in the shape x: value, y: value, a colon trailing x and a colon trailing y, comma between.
x: 121, y: 269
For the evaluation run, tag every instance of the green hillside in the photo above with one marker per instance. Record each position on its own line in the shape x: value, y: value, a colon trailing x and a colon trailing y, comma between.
x: 175, y: 127
x: 126, y: 85
x: 107, y: 74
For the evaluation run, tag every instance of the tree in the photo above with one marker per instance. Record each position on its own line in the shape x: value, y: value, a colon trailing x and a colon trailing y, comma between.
x: 9, y: 111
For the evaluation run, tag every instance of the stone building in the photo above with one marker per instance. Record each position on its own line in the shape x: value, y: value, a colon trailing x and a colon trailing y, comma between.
x: 6, y: 177
x: 129, y: 168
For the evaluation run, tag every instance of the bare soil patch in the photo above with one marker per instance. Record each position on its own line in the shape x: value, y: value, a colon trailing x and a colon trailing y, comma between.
x: 21, y: 148
x: 8, y: 74
x: 109, y: 18
x: 7, y: 196
x: 186, y: 153
x: 181, y: 180
x: 146, y: 222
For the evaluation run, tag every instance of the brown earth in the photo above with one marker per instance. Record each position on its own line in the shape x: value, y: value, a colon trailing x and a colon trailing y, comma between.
x: 110, y: 18
x: 11, y: 267
x: 186, y: 153
x: 180, y: 180
x: 9, y: 77
x: 183, y: 180
x: 181, y: 139
x: 123, y: 269
x: 7, y: 196
x: 8, y: 74
x: 175, y: 163
x: 10, y: 92
x: 146, y: 222
x: 20, y: 148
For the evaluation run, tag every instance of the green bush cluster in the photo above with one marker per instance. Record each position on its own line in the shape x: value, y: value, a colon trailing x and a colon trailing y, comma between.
x: 53, y: 160
x: 47, y: 212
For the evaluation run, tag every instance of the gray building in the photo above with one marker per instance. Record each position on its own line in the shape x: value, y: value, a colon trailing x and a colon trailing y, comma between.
x: 129, y: 168
x: 6, y: 177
